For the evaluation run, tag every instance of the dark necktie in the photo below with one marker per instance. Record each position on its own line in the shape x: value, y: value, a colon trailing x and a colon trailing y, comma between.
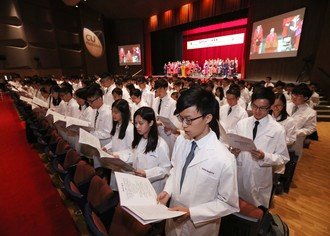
x: 229, y: 111
x: 188, y: 160
x: 96, y: 116
x: 295, y: 108
x: 255, y: 129
x: 159, y: 106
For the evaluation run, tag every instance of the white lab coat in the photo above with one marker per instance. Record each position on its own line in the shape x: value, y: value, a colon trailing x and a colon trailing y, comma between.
x: 156, y: 164
x: 305, y: 121
x: 121, y: 147
x: 230, y: 121
x: 72, y: 109
x: 102, y: 128
x: 168, y: 107
x: 209, y: 189
x: 255, y: 177
x: 107, y: 97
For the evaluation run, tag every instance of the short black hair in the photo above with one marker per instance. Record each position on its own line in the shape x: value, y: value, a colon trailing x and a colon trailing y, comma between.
x: 65, y: 90
x: 135, y: 92
x: 81, y: 93
x: 118, y: 91
x: 94, y: 90
x: 161, y: 83
x: 263, y: 93
x: 234, y: 90
x: 302, y: 89
x: 203, y: 100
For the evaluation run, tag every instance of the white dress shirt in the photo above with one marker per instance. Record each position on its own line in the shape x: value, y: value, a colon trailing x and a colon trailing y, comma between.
x: 230, y: 121
x: 135, y: 107
x: 255, y: 177
x: 147, y: 96
x: 209, y: 188
x: 72, y: 108
x: 156, y: 164
x: 107, y: 97
x: 103, y: 124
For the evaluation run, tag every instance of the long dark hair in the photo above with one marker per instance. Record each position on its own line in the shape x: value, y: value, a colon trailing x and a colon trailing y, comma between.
x: 123, y: 108
x: 147, y: 114
x: 205, y: 103
x: 284, y: 113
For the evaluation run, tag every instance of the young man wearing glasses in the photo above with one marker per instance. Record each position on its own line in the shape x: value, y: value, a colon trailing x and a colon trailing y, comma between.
x: 101, y: 119
x: 203, y: 180
x: 254, y: 168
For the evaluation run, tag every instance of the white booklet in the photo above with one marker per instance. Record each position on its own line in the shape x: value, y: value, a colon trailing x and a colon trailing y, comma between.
x: 240, y: 142
x: 75, y: 122
x: 40, y: 102
x: 25, y: 99
x: 166, y: 122
x: 138, y: 197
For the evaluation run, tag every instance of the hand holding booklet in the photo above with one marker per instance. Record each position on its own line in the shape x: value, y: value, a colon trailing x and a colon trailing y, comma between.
x: 107, y: 160
x: 138, y: 197
x: 166, y: 122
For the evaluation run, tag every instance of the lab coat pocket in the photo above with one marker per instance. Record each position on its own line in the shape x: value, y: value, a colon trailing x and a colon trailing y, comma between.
x: 207, y: 181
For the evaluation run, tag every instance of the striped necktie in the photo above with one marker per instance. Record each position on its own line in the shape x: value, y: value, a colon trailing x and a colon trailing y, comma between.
x: 96, y: 116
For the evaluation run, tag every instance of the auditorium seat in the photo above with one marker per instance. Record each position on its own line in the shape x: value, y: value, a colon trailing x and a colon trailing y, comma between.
x: 245, y: 223
x: 77, y: 186
x: 100, y: 206
x: 66, y: 166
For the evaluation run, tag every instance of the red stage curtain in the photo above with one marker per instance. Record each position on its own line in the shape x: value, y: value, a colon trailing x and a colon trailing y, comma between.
x: 222, y: 52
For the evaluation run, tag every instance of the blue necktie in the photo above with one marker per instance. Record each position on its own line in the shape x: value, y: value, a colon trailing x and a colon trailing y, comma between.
x: 188, y: 160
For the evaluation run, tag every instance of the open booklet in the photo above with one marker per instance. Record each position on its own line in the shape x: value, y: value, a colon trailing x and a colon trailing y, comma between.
x: 40, y: 102
x: 107, y: 160
x: 236, y: 141
x: 138, y: 197
x: 166, y: 122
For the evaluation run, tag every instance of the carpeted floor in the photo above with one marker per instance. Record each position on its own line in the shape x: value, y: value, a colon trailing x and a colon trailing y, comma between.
x: 29, y: 203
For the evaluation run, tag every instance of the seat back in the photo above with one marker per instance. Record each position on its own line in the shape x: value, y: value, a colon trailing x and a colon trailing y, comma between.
x: 72, y: 157
x: 62, y: 147
x: 99, y: 192
x: 84, y: 172
x: 245, y: 223
x: 102, y: 200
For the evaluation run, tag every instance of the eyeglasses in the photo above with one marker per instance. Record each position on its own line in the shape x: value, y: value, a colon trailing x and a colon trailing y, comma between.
x: 187, y: 121
x: 91, y: 101
x: 255, y: 107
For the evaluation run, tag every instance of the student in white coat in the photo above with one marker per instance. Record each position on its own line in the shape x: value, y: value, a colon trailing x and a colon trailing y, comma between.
x: 72, y: 107
x: 164, y: 105
x: 150, y: 152
x: 303, y: 115
x: 102, y: 118
x: 121, y: 135
x: 254, y: 168
x: 203, y: 180
x: 231, y: 113
x: 137, y: 101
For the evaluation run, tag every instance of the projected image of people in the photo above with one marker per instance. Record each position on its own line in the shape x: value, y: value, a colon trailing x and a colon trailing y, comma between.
x: 282, y: 38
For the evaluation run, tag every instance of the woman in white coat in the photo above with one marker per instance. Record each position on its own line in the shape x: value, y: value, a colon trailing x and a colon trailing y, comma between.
x: 150, y: 152
x: 206, y: 187
x: 121, y: 135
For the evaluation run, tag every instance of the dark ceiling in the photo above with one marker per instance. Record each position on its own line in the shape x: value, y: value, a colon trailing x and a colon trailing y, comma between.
x: 122, y: 9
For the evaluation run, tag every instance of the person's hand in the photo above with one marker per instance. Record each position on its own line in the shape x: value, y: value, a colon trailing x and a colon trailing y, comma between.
x: 257, y: 154
x: 163, y: 197
x: 235, y: 151
x: 159, y: 123
x: 141, y: 173
x: 183, y: 218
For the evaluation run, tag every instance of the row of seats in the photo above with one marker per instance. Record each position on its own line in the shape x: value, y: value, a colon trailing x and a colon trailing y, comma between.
x: 91, y: 193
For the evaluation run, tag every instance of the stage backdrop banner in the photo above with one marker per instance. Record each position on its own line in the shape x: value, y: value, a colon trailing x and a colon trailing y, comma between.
x: 231, y: 31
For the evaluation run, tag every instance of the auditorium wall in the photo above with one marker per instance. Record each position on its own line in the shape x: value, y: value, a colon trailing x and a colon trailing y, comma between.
x: 44, y: 37
x: 288, y: 69
x: 123, y: 32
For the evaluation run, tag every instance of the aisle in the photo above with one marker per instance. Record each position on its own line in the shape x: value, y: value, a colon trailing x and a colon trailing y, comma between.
x: 306, y: 207
x: 29, y: 203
